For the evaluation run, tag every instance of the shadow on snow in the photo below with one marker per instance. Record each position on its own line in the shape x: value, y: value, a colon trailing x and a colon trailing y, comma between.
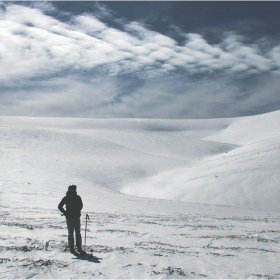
x: 88, y: 257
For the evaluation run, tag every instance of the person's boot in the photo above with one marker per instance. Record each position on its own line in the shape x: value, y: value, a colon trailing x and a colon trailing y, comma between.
x: 81, y: 251
x: 73, y: 251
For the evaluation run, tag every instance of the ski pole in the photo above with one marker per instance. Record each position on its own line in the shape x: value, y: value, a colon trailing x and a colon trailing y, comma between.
x: 87, y: 217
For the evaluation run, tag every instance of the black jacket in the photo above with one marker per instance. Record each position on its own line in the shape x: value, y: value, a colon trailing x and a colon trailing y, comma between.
x: 74, y: 205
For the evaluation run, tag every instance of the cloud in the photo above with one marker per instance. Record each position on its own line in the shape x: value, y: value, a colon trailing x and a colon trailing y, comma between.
x: 40, y: 44
x: 163, y: 97
x: 274, y: 55
x: 60, y: 97
x: 89, y: 24
x: 85, y: 67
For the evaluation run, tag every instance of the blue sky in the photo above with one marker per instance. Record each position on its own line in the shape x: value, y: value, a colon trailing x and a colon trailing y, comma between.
x: 139, y: 59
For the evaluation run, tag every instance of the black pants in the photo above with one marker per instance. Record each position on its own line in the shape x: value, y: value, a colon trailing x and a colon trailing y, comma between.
x: 74, y: 224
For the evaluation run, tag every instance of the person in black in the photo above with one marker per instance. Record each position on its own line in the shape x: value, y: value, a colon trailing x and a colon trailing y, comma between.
x: 74, y: 205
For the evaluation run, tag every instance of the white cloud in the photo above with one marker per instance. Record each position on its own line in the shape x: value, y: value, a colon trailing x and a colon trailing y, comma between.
x: 60, y: 97
x: 274, y: 55
x: 36, y: 44
x: 171, y: 97
x: 163, y: 54
x: 90, y: 24
x: 240, y: 68
x: 33, y: 45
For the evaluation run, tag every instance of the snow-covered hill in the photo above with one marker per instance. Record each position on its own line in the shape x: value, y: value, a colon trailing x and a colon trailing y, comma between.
x: 231, y: 162
x: 239, y: 167
x: 212, y: 177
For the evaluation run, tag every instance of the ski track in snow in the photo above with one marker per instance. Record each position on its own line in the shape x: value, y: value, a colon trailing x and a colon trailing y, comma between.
x: 138, y: 237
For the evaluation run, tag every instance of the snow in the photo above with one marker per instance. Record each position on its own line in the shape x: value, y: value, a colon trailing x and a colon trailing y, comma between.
x: 166, y: 198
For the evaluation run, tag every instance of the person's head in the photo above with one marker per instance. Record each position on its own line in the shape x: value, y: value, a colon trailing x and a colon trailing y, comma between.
x: 72, y: 189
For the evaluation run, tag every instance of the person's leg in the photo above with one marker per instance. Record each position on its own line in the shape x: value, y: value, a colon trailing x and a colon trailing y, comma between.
x: 78, y: 234
x: 70, y: 227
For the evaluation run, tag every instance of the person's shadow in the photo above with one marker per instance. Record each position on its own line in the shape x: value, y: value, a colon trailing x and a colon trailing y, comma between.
x: 88, y: 257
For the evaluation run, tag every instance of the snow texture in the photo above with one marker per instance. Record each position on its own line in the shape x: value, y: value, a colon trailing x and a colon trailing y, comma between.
x: 166, y: 198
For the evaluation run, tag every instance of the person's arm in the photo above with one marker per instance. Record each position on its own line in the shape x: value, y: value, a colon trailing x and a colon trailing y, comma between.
x: 81, y: 203
x: 61, y: 204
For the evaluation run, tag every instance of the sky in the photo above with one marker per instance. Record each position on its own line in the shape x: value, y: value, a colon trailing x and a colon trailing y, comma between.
x: 139, y: 59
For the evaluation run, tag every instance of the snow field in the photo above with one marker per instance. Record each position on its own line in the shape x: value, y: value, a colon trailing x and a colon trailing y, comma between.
x: 211, y: 178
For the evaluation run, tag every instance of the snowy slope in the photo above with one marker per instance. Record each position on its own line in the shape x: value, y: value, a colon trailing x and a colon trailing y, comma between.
x: 229, y: 161
x: 191, y: 164
x: 243, y: 174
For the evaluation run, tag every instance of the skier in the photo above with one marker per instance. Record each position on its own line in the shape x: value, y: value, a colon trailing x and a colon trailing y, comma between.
x: 72, y: 213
